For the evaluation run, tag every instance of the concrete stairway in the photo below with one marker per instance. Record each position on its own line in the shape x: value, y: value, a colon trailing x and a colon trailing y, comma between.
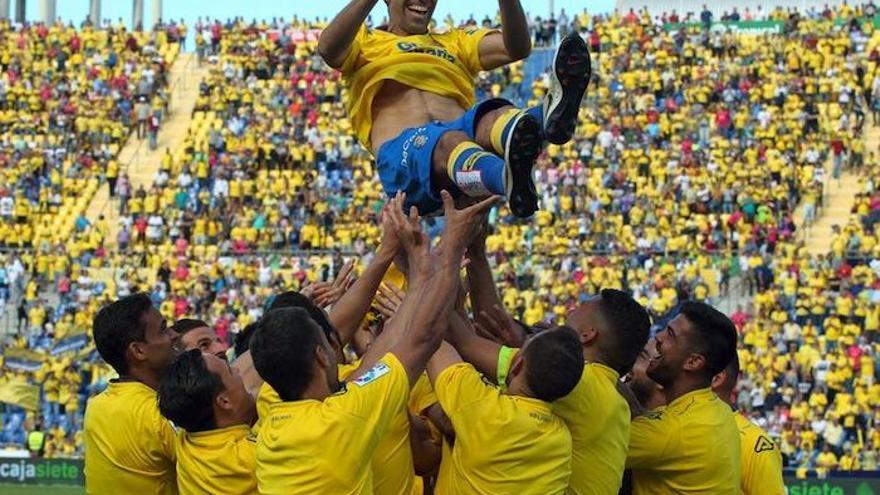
x: 136, y: 157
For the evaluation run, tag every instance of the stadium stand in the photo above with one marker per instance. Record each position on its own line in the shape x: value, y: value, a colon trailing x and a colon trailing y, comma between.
x: 694, y: 152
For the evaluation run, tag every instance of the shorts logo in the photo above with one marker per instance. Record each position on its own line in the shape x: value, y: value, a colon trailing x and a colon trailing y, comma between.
x: 764, y: 444
x: 372, y: 374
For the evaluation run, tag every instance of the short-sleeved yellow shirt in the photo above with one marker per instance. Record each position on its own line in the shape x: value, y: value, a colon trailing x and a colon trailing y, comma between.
x: 690, y: 446
x: 217, y: 461
x: 320, y: 447
x: 503, y: 443
x: 760, y: 460
x: 129, y: 446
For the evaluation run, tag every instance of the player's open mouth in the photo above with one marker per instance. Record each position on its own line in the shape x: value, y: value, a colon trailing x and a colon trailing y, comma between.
x: 418, y: 10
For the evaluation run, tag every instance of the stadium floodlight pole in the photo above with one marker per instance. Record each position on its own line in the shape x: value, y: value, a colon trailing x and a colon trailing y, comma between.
x: 47, y: 11
x: 4, y: 9
x: 137, y: 15
x: 95, y: 12
x: 20, y: 11
x: 552, y: 9
x: 157, y: 12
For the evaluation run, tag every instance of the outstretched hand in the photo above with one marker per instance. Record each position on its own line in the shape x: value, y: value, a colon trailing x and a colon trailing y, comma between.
x: 463, y: 225
x: 408, y: 228
x: 496, y: 324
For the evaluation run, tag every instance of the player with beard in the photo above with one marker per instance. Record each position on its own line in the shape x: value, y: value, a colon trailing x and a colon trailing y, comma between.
x: 648, y: 392
x: 692, y: 444
x: 411, y: 102
x: 129, y: 446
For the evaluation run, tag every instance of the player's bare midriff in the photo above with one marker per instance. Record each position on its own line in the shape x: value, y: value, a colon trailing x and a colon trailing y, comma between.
x: 397, y: 107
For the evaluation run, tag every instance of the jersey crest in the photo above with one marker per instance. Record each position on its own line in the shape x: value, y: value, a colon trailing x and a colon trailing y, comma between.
x: 764, y: 444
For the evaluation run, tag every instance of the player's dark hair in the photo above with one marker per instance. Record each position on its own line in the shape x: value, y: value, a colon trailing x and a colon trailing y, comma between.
x: 283, y: 350
x: 731, y: 373
x: 243, y: 339
x: 293, y: 299
x: 554, y: 362
x: 715, y: 335
x: 184, y: 325
x: 187, y: 392
x: 629, y: 326
x: 117, y: 325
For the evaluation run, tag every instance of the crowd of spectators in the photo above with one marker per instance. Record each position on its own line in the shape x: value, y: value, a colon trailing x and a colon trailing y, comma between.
x: 695, y: 149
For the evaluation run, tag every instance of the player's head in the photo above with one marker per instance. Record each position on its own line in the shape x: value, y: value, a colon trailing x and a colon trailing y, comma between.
x: 201, y: 392
x: 290, y: 352
x: 695, y: 345
x: 132, y: 336
x: 196, y: 334
x: 293, y: 299
x: 411, y: 16
x: 646, y: 390
x: 724, y: 382
x: 613, y: 328
x: 549, y: 365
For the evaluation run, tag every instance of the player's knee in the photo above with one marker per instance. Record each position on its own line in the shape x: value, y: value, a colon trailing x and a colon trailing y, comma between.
x: 447, y: 142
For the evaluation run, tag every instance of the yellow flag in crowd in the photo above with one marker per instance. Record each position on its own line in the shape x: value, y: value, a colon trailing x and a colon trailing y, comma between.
x: 18, y: 392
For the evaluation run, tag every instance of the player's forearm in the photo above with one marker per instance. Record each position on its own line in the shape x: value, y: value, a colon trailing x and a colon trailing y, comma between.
x: 347, y: 314
x: 484, y: 294
x: 481, y: 353
x: 514, y: 29
x: 337, y: 37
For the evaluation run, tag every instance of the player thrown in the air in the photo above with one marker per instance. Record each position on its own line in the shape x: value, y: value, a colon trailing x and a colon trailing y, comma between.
x: 411, y: 102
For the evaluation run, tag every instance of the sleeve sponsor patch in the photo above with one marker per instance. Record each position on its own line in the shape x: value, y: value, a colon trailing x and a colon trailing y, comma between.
x: 372, y: 374
x: 764, y: 444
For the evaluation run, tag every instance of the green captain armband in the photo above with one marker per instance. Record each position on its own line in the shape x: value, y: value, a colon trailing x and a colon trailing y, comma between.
x: 505, y: 356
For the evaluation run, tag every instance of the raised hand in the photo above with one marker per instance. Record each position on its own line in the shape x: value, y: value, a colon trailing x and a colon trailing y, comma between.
x: 498, y: 325
x: 463, y: 225
x: 388, y: 300
x: 408, y: 228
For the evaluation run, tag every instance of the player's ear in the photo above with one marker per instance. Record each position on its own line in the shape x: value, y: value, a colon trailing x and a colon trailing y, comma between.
x: 588, y: 335
x: 694, y: 362
x: 321, y: 356
x: 223, y: 401
x: 136, y: 351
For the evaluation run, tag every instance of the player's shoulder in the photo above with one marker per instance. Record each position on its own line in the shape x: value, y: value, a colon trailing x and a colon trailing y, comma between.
x: 753, y: 438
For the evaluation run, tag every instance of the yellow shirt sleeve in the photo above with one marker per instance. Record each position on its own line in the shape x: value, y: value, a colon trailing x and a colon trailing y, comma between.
x: 650, y: 439
x: 761, y: 460
x: 459, y: 386
x: 350, y: 64
x: 469, y: 47
x: 384, y: 384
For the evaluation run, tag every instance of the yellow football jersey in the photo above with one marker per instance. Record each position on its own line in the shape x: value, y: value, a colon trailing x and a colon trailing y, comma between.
x: 760, y: 460
x: 444, y: 64
x: 690, y: 446
x: 129, y: 446
x: 503, y: 443
x: 320, y: 447
x: 599, y: 420
x: 266, y: 395
x: 217, y: 461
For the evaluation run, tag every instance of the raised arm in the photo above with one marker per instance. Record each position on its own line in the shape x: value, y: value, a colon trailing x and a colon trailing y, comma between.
x: 480, y: 352
x: 484, y: 294
x: 336, y: 39
x: 417, y: 330
x: 513, y: 43
x: 347, y: 314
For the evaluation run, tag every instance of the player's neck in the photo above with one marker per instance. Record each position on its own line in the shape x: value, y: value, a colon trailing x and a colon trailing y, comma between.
x: 317, y: 390
x: 143, y: 376
x: 683, y: 385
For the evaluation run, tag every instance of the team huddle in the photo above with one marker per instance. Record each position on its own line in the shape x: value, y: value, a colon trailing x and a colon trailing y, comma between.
x: 445, y: 392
